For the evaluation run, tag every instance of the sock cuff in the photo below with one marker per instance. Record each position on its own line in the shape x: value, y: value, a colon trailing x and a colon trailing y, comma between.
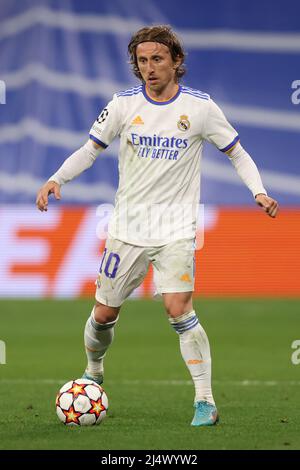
x: 184, y: 322
x: 101, y: 326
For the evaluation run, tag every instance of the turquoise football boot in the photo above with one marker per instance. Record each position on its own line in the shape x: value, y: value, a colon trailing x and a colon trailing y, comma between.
x: 206, y: 414
x: 98, y: 379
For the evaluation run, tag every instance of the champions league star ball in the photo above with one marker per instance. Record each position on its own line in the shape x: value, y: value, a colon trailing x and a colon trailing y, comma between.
x: 81, y: 402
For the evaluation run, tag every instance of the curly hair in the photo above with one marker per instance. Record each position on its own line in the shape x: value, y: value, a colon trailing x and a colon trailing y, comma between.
x: 162, y: 34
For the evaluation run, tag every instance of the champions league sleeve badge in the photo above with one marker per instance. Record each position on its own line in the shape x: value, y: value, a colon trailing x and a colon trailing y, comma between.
x: 102, y: 116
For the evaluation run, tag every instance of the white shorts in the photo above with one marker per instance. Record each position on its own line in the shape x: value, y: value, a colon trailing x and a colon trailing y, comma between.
x: 123, y: 268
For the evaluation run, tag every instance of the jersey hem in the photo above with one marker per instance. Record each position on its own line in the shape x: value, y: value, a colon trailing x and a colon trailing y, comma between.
x: 148, y: 244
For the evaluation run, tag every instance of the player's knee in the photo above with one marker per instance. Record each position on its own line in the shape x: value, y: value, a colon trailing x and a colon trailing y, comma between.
x: 178, y: 305
x: 177, y: 311
x: 105, y: 314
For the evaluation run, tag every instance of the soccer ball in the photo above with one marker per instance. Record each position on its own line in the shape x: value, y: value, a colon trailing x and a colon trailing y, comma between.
x: 81, y: 402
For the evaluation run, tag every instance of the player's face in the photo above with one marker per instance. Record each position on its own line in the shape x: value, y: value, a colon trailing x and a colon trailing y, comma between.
x: 156, y: 65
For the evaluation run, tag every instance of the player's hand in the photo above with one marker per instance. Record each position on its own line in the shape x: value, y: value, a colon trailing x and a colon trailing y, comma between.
x: 42, y: 198
x: 269, y: 205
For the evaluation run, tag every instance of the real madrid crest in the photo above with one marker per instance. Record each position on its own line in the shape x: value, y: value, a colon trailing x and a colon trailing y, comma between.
x: 183, y: 124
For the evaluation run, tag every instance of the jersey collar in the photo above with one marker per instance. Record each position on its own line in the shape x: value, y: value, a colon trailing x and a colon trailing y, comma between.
x: 160, y: 103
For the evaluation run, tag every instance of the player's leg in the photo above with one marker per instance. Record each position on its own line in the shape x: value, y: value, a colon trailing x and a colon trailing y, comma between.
x: 98, y: 336
x: 122, y: 269
x: 174, y: 278
x: 195, y: 351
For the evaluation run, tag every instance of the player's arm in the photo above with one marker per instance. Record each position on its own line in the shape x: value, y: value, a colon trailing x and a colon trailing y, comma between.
x: 72, y: 167
x: 248, y: 172
x: 218, y: 131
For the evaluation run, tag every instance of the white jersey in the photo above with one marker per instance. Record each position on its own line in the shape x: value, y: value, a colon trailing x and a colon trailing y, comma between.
x: 159, y: 161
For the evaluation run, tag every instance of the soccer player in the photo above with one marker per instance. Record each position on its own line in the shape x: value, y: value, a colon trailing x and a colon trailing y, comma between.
x: 162, y: 125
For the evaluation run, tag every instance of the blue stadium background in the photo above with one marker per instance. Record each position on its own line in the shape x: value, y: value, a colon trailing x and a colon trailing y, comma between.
x: 62, y: 60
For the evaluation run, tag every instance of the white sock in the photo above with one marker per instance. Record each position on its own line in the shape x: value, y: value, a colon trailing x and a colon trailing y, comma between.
x: 97, y: 339
x: 194, y: 347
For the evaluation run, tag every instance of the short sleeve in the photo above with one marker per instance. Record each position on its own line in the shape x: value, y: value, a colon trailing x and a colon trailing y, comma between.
x: 107, y: 125
x: 217, y: 129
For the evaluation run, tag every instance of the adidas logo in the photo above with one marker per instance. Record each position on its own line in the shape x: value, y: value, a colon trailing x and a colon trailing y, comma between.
x: 137, y: 120
x: 185, y: 278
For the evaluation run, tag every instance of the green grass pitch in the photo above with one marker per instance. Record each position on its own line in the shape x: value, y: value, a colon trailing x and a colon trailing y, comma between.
x: 255, y: 384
